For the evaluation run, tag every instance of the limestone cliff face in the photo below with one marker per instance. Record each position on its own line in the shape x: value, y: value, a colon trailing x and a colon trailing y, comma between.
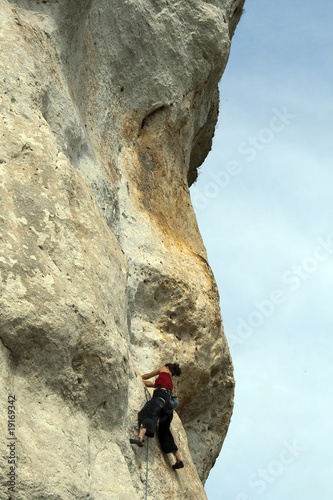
x: 107, y: 110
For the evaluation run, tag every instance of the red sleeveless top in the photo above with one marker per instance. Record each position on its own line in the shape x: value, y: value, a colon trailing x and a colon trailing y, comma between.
x: 165, y: 380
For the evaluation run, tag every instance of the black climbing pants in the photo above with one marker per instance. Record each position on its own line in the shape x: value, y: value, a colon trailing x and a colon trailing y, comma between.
x: 153, y: 413
x: 150, y: 413
x: 168, y: 444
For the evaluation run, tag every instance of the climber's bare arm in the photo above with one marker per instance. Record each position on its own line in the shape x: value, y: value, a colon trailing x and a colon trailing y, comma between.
x: 154, y: 373
x: 148, y: 383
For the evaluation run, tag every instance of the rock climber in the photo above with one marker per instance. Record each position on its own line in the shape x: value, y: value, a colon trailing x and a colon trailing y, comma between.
x: 158, y: 409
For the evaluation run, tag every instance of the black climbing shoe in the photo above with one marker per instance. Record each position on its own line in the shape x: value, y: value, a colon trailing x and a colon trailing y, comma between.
x: 137, y: 442
x: 178, y: 465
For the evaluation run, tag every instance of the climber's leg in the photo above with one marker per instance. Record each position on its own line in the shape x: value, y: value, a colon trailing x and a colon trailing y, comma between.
x: 147, y: 419
x: 139, y: 440
x: 179, y: 464
x: 167, y: 441
x: 142, y: 432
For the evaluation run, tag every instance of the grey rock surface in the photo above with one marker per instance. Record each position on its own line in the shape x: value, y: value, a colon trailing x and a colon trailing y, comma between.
x: 107, y: 111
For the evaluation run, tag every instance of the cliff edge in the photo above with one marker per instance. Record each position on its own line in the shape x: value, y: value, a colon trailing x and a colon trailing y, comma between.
x: 107, y: 111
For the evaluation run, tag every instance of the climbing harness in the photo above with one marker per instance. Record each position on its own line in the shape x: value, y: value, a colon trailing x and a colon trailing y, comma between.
x: 148, y: 397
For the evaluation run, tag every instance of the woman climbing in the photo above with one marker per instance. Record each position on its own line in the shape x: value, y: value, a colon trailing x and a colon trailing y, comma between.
x: 158, y: 409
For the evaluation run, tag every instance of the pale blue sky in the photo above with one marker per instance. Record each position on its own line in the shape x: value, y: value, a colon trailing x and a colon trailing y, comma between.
x: 264, y: 206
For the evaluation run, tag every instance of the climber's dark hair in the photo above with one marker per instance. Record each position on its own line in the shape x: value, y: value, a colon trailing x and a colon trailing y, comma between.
x: 174, y: 368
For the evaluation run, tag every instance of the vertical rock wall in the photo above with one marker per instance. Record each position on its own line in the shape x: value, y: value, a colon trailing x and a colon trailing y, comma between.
x: 108, y: 109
